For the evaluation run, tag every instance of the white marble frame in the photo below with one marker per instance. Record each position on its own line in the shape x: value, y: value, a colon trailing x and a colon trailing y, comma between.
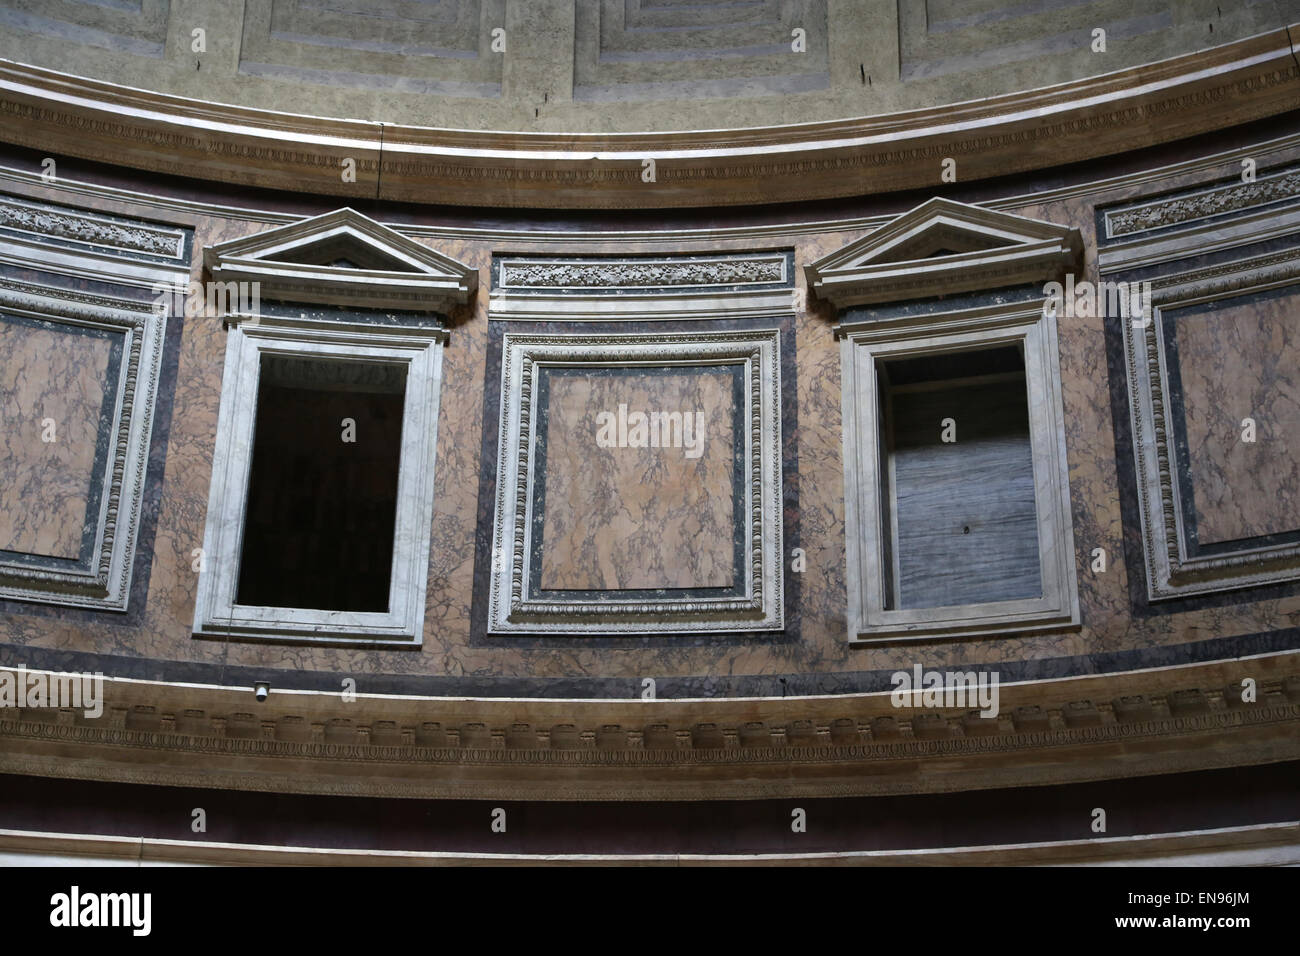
x: 512, y: 611
x: 1170, y: 571
x: 108, y: 585
x: 1022, y: 324
x: 419, y: 349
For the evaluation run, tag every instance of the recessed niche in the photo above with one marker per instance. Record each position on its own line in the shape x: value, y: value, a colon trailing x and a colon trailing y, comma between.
x: 957, y: 503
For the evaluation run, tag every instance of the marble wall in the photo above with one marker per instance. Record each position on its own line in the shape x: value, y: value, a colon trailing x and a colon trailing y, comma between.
x: 1120, y: 629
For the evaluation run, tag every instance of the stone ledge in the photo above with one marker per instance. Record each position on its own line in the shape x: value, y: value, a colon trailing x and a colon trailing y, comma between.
x: 1090, y: 728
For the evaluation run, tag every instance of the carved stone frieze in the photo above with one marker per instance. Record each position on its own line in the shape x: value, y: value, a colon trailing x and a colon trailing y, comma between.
x: 624, y: 273
x: 41, y: 220
x: 1188, y: 207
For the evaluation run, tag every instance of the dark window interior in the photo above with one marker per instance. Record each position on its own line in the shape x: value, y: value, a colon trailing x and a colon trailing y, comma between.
x: 961, y: 518
x: 318, y: 530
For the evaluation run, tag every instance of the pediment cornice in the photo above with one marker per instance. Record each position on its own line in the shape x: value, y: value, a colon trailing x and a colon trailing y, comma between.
x: 301, y: 262
x: 942, y: 247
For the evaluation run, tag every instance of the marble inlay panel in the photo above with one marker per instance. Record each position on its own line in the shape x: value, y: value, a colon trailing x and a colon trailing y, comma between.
x: 1242, y: 360
x: 54, y: 380
x: 626, y: 517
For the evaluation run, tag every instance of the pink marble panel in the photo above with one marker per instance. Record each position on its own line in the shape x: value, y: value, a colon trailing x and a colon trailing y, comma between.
x: 618, y: 516
x: 52, y: 385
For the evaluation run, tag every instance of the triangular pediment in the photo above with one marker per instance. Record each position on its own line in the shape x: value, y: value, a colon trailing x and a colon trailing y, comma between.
x: 343, y: 258
x: 943, y: 247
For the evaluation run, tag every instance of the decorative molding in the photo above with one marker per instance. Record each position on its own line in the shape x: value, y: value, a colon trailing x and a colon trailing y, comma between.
x: 1201, y: 204
x: 595, y: 274
x: 183, y: 210
x: 105, y: 582
x: 515, y: 609
x: 395, y: 272
x: 1087, y: 728
x: 941, y: 248
x: 1267, y: 844
x: 47, y: 221
x: 675, y: 288
x: 1171, y: 571
x: 1095, y: 116
x: 1199, y: 240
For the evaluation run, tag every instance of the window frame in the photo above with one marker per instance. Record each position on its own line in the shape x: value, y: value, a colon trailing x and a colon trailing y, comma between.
x: 419, y: 348
x: 1031, y: 327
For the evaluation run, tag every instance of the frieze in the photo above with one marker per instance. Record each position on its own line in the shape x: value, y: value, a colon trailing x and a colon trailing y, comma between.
x: 623, y: 274
x: 1175, y: 210
x: 92, y: 230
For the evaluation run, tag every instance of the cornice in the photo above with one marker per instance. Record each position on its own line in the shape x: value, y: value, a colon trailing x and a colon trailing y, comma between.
x: 1082, y: 119
x: 420, y: 278
x: 899, y: 260
x: 182, y: 211
x: 1098, y: 727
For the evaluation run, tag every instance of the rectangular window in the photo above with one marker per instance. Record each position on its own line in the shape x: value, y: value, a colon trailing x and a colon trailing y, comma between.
x: 957, y: 507
x: 321, y: 506
x: 958, y: 460
x: 322, y: 499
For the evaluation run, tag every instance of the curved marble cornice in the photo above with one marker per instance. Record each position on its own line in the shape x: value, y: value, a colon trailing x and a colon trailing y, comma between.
x: 1083, y: 119
x: 1164, y: 720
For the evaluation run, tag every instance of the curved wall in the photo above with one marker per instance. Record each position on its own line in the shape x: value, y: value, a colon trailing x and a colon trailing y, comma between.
x: 1184, y: 173
x: 1121, y: 629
